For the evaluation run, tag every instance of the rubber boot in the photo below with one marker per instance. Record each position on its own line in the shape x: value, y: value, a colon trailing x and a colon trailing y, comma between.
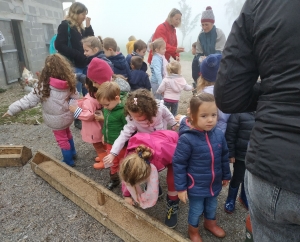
x: 68, y: 157
x: 211, y: 226
x: 74, y: 154
x: 100, y: 149
x: 114, y: 181
x: 242, y: 198
x: 172, y: 213
x: 77, y: 124
x: 230, y: 201
x: 194, y: 234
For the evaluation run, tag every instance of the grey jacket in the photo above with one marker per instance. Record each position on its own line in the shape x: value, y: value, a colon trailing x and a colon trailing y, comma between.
x: 55, y: 109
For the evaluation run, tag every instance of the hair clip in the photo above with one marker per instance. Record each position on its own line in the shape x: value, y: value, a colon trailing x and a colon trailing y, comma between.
x: 146, y: 160
x: 135, y: 101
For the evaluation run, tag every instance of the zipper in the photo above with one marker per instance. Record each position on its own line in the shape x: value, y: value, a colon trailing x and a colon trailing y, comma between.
x: 212, y: 163
x: 106, y: 130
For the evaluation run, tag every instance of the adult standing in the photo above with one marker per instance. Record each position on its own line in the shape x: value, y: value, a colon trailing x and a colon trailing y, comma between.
x: 167, y: 31
x: 272, y: 179
x: 211, y: 40
x: 68, y: 41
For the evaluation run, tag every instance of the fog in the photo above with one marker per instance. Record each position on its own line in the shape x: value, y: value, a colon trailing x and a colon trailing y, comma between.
x: 120, y: 19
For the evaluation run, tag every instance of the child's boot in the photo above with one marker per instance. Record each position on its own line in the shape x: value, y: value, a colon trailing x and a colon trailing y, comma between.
x: 74, y: 154
x: 211, y: 226
x: 100, y: 149
x: 230, y: 201
x: 114, y: 181
x: 194, y: 234
x: 172, y: 211
x: 68, y: 157
x: 242, y: 198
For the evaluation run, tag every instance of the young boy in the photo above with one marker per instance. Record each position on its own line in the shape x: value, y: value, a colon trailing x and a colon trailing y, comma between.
x: 139, y: 78
x: 195, y: 65
x: 129, y: 45
x: 120, y: 64
x: 139, y: 49
x: 108, y: 95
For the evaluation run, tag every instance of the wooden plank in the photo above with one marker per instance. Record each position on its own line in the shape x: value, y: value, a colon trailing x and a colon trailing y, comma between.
x: 14, y: 155
x: 127, y: 222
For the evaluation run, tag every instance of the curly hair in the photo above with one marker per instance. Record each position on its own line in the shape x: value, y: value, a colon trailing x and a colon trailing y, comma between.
x: 202, y: 83
x: 76, y: 9
x: 136, y: 168
x: 141, y: 101
x: 59, y: 67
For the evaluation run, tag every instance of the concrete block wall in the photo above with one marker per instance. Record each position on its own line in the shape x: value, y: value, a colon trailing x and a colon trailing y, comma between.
x: 32, y: 14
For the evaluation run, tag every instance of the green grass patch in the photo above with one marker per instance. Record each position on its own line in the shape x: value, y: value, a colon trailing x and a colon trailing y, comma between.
x: 186, y: 56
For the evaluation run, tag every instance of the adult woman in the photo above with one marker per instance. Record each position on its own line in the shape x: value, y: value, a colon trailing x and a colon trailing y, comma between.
x: 68, y: 41
x: 211, y: 40
x: 167, y: 31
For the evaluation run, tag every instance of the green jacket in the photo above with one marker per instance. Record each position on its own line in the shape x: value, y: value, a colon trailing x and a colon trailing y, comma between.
x: 114, y: 121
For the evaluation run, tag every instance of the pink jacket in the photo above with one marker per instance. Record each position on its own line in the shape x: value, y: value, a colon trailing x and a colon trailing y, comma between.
x: 172, y: 86
x: 91, y: 129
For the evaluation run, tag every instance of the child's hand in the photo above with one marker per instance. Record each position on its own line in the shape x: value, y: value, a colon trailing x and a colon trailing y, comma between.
x: 129, y: 200
x: 72, y: 109
x: 102, y: 139
x: 225, y: 183
x: 6, y: 115
x: 178, y: 117
x: 232, y: 160
x: 183, y: 196
x: 99, y: 118
x: 108, y: 159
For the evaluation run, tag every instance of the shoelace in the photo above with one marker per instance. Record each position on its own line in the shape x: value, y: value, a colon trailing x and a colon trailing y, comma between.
x: 171, y: 210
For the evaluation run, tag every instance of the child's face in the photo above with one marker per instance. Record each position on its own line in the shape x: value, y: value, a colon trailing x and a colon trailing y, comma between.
x: 141, y: 52
x: 161, y: 50
x: 110, y: 105
x: 109, y: 52
x: 88, y: 51
x: 138, y: 116
x: 193, y: 51
x: 207, y: 116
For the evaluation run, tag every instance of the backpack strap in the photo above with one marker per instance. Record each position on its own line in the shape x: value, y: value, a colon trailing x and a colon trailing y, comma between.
x: 69, y: 36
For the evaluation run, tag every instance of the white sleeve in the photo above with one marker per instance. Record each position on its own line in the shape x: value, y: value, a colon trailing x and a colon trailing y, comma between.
x: 198, y: 46
x: 221, y: 40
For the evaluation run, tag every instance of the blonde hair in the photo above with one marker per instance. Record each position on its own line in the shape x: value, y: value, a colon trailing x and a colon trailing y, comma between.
x: 174, y: 67
x: 110, y: 43
x: 173, y: 12
x: 131, y: 38
x: 202, y: 83
x: 157, y: 44
x: 93, y: 42
x: 108, y: 91
x: 72, y: 17
x: 136, y: 168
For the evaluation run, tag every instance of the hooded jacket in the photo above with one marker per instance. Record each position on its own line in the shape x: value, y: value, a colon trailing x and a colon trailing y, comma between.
x: 120, y: 65
x: 139, y: 79
x: 172, y: 85
x: 128, y: 59
x: 101, y: 56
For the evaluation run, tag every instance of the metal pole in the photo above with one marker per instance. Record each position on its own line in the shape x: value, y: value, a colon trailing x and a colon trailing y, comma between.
x: 3, y: 65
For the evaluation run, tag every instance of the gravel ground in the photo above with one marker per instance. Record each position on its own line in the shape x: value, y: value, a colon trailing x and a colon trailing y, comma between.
x: 31, y: 210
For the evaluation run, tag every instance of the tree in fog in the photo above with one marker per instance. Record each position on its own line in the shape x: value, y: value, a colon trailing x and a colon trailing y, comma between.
x: 187, y: 25
x: 233, y: 9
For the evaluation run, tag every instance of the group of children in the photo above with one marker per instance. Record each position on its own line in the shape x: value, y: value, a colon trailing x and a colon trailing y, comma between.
x: 133, y: 131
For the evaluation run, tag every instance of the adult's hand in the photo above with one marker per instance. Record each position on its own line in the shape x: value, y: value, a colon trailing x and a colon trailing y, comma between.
x: 88, y: 22
x: 177, y: 58
x: 179, y: 49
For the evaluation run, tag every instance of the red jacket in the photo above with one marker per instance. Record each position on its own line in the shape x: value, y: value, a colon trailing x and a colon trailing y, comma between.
x: 168, y: 33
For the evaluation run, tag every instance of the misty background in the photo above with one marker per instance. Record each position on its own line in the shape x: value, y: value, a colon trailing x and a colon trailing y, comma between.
x: 120, y: 19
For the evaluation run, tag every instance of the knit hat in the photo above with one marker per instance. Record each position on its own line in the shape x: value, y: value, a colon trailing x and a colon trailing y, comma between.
x: 208, y: 15
x: 210, y: 66
x: 99, y: 71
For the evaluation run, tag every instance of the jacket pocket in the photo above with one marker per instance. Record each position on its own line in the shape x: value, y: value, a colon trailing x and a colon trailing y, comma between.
x: 192, y: 180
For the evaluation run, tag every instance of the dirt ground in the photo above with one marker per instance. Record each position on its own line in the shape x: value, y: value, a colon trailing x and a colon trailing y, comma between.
x: 31, y: 210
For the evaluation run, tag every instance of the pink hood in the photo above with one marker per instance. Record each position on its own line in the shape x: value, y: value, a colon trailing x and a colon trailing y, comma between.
x: 176, y: 82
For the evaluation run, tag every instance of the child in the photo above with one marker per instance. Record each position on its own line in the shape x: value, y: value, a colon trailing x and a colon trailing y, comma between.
x: 148, y: 155
x: 206, y: 82
x: 195, y: 65
x: 158, y: 65
x: 108, y: 95
x: 139, y: 78
x: 172, y: 85
x: 55, y: 88
x: 201, y: 164
x: 144, y: 114
x: 239, y: 127
x: 139, y: 49
x: 120, y: 64
x: 129, y: 45
x: 91, y: 128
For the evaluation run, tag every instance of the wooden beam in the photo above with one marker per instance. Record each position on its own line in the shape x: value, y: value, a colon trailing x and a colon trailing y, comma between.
x: 14, y: 155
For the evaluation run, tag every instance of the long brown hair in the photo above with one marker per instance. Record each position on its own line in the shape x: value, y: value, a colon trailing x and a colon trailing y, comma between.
x: 59, y: 67
x: 76, y: 9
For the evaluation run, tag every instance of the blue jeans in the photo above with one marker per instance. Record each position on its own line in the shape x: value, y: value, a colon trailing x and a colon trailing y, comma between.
x: 80, y: 88
x: 274, y: 212
x: 198, y: 205
x: 154, y: 87
x: 172, y: 106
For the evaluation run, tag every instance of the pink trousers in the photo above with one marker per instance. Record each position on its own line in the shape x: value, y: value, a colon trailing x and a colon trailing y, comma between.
x: 62, y: 137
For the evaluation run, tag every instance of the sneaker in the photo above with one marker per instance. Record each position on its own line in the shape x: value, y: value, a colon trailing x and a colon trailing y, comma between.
x: 172, y: 213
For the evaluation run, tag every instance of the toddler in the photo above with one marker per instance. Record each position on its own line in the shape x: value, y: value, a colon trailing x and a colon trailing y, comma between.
x: 139, y: 49
x: 130, y: 44
x: 139, y: 78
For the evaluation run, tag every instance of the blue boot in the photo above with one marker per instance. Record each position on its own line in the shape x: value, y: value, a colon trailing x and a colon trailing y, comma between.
x: 71, y: 141
x: 230, y: 201
x: 243, y: 199
x: 68, y: 157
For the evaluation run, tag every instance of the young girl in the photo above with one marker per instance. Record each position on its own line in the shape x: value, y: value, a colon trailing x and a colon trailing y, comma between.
x: 206, y: 82
x: 172, y: 85
x: 55, y: 88
x: 150, y: 154
x: 158, y: 65
x: 201, y: 164
x: 91, y: 128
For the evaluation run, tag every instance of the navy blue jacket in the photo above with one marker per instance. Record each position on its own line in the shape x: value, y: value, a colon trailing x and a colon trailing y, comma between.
x: 200, y: 162
x: 139, y: 79
x: 121, y: 66
x: 128, y: 59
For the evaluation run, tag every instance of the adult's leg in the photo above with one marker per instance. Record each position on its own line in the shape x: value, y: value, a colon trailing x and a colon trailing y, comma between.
x: 274, y: 212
